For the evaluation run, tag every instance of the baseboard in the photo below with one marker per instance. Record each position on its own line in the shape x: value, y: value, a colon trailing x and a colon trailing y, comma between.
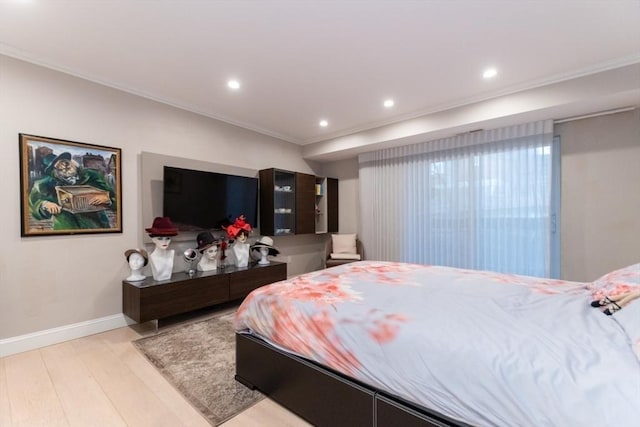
x: 60, y: 334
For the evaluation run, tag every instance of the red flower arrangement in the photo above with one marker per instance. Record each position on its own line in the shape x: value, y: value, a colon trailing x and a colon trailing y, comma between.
x: 223, y: 247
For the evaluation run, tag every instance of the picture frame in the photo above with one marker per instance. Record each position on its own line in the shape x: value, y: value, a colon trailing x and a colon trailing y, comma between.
x: 68, y: 187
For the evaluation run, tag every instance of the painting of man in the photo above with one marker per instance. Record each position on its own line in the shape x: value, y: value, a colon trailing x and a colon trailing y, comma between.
x: 63, y: 171
x: 67, y: 189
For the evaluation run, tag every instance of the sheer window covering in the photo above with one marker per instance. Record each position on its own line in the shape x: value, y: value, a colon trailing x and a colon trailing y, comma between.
x: 484, y: 200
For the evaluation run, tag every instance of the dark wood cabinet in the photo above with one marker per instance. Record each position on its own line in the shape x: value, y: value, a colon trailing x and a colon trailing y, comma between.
x: 277, y: 202
x: 332, y: 205
x: 242, y: 282
x: 267, y: 200
x: 297, y: 203
x: 150, y: 300
x: 305, y: 203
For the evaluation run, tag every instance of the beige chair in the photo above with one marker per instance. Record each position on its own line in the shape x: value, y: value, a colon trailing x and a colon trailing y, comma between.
x: 329, y: 262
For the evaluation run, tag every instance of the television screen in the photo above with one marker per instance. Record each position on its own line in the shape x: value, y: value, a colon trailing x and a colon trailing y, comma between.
x: 199, y: 200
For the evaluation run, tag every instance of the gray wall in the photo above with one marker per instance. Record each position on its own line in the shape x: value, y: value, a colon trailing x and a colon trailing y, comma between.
x: 50, y: 282
x: 600, y: 199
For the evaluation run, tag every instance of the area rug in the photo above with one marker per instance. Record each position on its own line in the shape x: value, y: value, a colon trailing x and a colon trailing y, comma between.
x: 199, y: 360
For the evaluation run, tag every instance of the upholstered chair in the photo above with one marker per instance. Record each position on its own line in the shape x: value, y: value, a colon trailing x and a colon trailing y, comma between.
x: 348, y: 249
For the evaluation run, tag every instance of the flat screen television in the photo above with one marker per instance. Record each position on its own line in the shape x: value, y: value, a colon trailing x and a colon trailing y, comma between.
x: 197, y: 200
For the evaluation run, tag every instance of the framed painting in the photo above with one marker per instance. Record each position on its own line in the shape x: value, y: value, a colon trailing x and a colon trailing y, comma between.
x: 68, y: 187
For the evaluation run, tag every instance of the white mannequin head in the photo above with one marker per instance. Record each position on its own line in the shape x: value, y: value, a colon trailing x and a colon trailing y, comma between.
x: 264, y: 246
x: 209, y: 260
x: 264, y: 251
x: 136, y: 258
x: 161, y: 242
x: 136, y: 261
x: 211, y: 252
x: 242, y: 236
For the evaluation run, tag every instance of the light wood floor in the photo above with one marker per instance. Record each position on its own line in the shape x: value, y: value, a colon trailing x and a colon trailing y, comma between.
x: 102, y: 380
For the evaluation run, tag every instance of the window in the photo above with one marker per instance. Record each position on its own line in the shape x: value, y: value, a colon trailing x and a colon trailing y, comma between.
x: 483, y: 204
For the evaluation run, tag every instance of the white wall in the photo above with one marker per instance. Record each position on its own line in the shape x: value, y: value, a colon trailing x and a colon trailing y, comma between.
x: 604, y: 90
x: 49, y: 282
x: 600, y: 199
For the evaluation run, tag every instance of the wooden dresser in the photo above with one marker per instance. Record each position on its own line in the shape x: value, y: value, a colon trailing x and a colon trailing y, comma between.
x: 149, y: 299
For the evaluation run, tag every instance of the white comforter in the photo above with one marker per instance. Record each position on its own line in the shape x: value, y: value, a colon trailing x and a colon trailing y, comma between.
x: 485, y: 348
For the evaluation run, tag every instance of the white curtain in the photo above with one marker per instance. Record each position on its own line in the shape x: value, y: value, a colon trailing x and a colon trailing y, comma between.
x: 482, y: 200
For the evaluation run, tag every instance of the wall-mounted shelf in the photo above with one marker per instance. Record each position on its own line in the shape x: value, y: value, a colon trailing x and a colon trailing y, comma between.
x: 297, y: 203
x: 277, y: 202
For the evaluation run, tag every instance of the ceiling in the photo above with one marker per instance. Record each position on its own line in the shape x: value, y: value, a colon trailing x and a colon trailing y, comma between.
x: 302, y: 61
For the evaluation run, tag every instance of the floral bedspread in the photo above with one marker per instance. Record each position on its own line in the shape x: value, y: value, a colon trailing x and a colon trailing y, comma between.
x: 485, y: 348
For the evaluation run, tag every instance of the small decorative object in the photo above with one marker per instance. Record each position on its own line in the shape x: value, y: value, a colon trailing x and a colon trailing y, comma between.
x: 223, y: 256
x: 190, y: 255
x: 611, y: 303
x: 208, y: 247
x: 137, y: 258
x: 161, y: 258
x: 239, y: 231
x: 265, y: 246
x: 69, y: 187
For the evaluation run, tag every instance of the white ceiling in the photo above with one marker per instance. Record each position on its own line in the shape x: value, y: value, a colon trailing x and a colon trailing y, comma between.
x: 300, y: 61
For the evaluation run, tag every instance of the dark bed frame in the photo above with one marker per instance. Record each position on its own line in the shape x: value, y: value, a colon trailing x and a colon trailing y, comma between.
x: 322, y: 396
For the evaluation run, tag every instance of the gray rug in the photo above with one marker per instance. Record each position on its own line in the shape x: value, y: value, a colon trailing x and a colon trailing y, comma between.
x: 199, y: 360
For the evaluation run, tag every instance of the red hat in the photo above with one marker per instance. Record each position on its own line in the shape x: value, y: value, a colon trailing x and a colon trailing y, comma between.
x: 240, y: 224
x: 162, y: 226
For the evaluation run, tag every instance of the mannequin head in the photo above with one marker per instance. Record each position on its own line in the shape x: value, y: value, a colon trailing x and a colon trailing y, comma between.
x: 265, y: 247
x: 136, y: 261
x: 161, y: 242
x: 242, y: 236
x: 211, y: 252
x: 264, y: 251
x: 209, y: 259
x: 137, y: 258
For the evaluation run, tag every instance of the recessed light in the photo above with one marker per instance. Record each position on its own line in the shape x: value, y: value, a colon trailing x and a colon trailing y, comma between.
x: 233, y: 84
x: 388, y: 103
x: 324, y: 123
x: 490, y: 72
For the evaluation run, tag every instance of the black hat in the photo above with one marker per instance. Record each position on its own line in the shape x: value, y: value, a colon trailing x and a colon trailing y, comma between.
x: 265, y: 242
x: 205, y: 240
x: 50, y: 161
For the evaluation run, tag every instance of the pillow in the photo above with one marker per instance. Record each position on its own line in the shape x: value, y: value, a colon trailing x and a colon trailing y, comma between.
x: 344, y: 243
x: 617, y: 282
x: 355, y: 257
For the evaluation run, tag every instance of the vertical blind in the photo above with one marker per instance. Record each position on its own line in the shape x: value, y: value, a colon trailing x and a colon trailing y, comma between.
x: 482, y: 200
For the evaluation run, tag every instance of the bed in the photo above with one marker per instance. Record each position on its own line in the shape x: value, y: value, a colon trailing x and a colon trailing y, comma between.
x: 382, y: 343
